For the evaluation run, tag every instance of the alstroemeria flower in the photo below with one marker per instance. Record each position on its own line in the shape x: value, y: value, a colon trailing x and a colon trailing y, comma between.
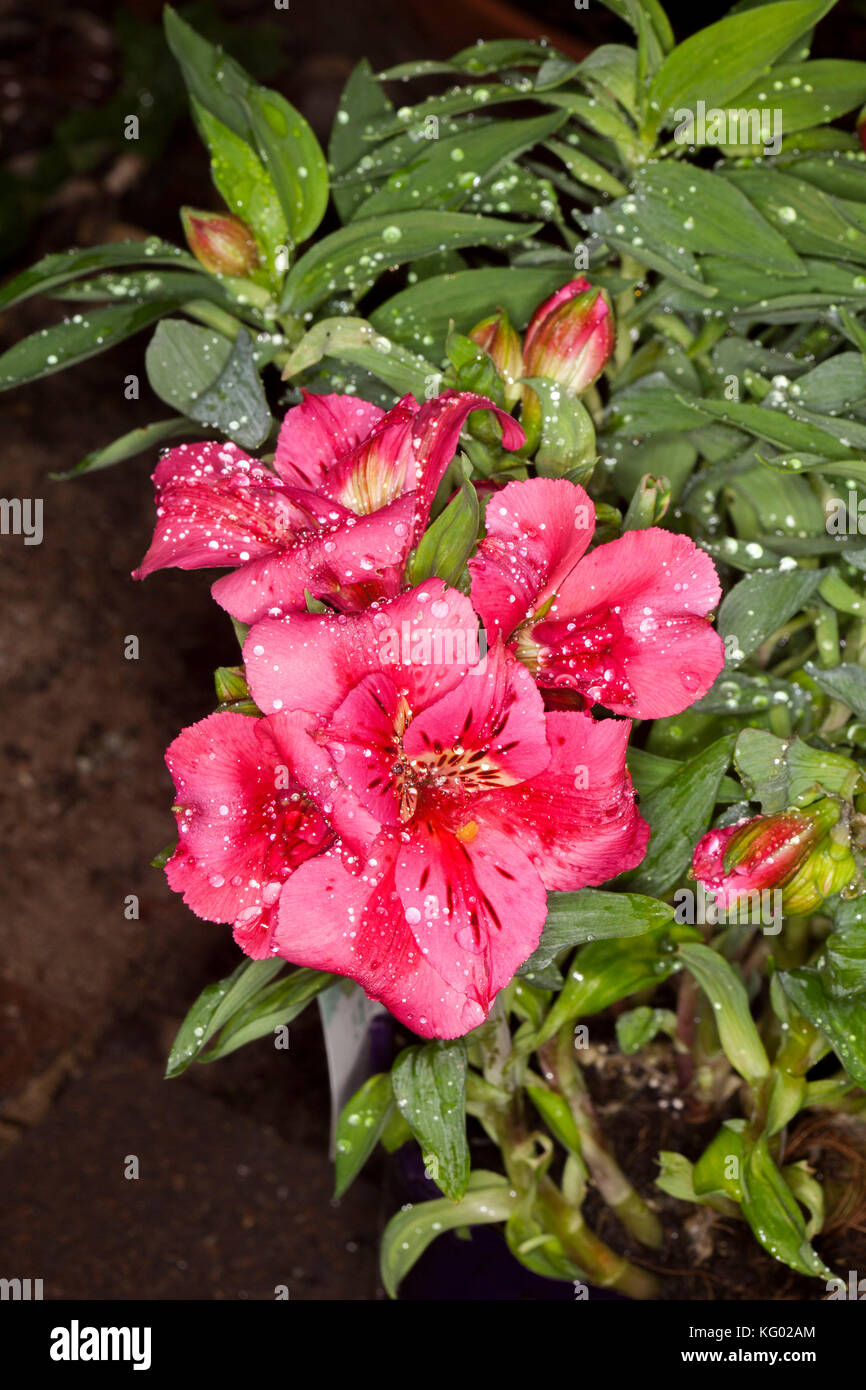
x: 244, y: 822
x: 462, y: 802
x: 806, y: 854
x: 350, y: 494
x: 625, y: 625
x: 570, y: 337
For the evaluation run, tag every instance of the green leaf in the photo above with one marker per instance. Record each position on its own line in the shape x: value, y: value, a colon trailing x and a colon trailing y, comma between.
x: 707, y: 214
x: 444, y: 174
x: 235, y: 402
x: 293, y: 158
x: 421, y: 314
x: 247, y: 188
x: 808, y: 94
x: 270, y: 1008
x: 637, y: 1027
x: 488, y: 1199
x: 567, y: 447
x: 737, y: 1032
x: 430, y: 1088
x: 73, y: 340
x: 842, y: 1021
x: 448, y: 542
x: 355, y: 340
x: 771, y: 1210
x: 283, y: 140
x: 718, y: 62
x: 586, y: 170
x: 128, y: 445
x: 359, y: 1128
x: 362, y: 103
x: 762, y: 603
x: 354, y: 258
x: 593, y: 915
x: 846, y: 683
x: 215, y: 1006
x: 64, y: 266
x: 678, y: 814
x: 781, y: 773
x: 814, y: 223
x: 606, y: 971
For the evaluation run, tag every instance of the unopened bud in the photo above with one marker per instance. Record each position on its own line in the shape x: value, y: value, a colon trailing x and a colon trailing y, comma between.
x: 222, y: 244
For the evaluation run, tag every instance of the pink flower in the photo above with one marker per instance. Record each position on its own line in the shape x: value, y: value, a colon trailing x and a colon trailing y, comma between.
x: 351, y: 494
x: 805, y: 853
x: 460, y: 802
x: 244, y: 822
x: 625, y: 625
x: 570, y: 337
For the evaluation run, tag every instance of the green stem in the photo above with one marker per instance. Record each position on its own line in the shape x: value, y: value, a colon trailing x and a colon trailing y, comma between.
x: 562, y: 1071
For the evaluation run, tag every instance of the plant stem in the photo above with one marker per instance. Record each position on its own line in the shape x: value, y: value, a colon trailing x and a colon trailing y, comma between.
x: 562, y: 1071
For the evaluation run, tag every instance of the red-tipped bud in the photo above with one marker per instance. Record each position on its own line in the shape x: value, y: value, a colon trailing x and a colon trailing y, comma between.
x: 571, y: 337
x: 861, y: 127
x: 498, y: 337
x: 222, y: 244
x: 805, y: 853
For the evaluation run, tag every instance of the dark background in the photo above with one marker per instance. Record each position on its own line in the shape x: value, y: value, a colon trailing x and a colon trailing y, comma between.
x: 235, y: 1184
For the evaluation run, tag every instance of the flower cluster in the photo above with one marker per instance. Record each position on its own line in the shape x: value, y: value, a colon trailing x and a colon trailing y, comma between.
x: 409, y: 790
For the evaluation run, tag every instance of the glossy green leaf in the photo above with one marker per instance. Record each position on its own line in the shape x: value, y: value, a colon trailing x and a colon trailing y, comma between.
x: 355, y: 257
x: 846, y: 683
x: 269, y: 1008
x: 842, y: 1021
x: 679, y: 813
x: 718, y: 62
x: 363, y: 101
x: 247, y: 188
x: 128, y: 445
x: 590, y: 914
x: 771, y: 1210
x: 759, y: 605
x: 448, y: 542
x: 64, y: 266
x: 808, y: 94
x: 724, y: 989
x: 430, y: 1088
x: 488, y: 1199
x: 75, y: 339
x: 357, y: 341
x: 359, y: 1128
x: 567, y: 447
x: 215, y: 1006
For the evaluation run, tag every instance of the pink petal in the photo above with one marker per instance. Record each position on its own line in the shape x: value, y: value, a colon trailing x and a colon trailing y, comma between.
x: 577, y: 820
x: 243, y: 824
x: 436, y: 432
x: 311, y: 661
x: 380, y: 468
x: 659, y: 586
x: 216, y: 506
x: 537, y: 531
x: 350, y: 565
x: 476, y: 906
x: 488, y: 730
x: 353, y: 925
x: 318, y: 432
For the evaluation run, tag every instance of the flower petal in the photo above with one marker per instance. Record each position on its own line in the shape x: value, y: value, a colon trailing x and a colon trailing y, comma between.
x: 332, y: 920
x: 216, y: 506
x: 537, y: 531
x: 350, y: 565
x: 577, y: 820
x: 243, y: 824
x: 476, y: 906
x: 318, y: 432
x: 660, y: 586
x: 436, y: 431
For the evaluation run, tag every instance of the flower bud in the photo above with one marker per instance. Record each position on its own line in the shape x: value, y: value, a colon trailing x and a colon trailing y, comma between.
x: 498, y: 337
x: 571, y: 337
x: 861, y: 127
x: 222, y: 244
x: 806, y: 854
